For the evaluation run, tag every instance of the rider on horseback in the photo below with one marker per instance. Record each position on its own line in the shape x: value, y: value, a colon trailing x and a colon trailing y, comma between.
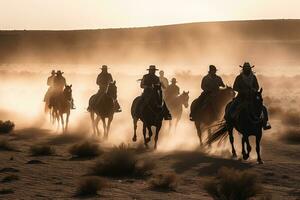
x: 172, y: 91
x: 147, y: 83
x: 163, y: 80
x: 245, y: 84
x: 103, y: 80
x: 50, y: 83
x: 210, y: 85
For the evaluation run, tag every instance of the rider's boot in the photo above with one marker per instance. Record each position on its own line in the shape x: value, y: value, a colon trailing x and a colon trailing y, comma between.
x: 118, y: 107
x: 72, y: 104
x: 167, y: 114
x: 266, y: 126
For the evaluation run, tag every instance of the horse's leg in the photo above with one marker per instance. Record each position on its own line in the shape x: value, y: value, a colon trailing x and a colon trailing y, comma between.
x: 258, y: 138
x: 150, y: 133
x: 230, y: 132
x: 97, y: 120
x: 135, y: 120
x: 176, y: 123
x: 144, y: 134
x: 92, y: 116
x: 62, y: 123
x: 243, y: 147
x: 108, y: 125
x: 248, y: 146
x: 67, y: 121
x: 197, y: 124
x: 156, y: 135
x: 104, y: 127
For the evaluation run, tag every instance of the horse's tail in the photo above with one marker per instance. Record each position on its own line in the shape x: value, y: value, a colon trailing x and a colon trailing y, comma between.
x: 218, y: 135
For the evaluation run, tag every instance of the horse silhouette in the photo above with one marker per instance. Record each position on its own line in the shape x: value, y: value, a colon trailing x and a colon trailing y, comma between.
x: 151, y: 114
x: 102, y: 104
x: 211, y: 110
x: 60, y: 104
x: 248, y: 121
x: 174, y: 105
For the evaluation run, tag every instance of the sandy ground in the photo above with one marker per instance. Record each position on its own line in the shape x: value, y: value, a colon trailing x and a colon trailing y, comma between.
x: 58, y: 176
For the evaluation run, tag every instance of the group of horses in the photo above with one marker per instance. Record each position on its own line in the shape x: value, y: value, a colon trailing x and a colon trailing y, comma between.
x: 247, y: 123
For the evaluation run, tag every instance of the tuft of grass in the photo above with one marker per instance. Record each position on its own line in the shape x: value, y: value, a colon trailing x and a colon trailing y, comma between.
x: 164, y: 182
x: 6, y: 146
x: 121, y: 161
x: 291, y: 136
x: 42, y: 150
x: 233, y: 184
x: 90, y: 186
x: 85, y: 149
x: 6, y: 127
x: 10, y: 178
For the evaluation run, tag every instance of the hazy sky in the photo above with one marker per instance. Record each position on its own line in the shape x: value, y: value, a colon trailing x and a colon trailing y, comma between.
x: 84, y: 14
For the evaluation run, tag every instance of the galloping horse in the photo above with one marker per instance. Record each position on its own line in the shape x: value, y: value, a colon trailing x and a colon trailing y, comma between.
x: 150, y: 115
x: 175, y: 107
x: 61, y: 104
x: 102, y: 104
x: 211, y: 110
x: 248, y: 121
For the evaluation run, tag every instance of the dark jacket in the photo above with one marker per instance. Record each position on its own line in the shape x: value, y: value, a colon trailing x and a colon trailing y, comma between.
x: 59, y: 83
x: 244, y: 85
x: 211, y: 83
x: 149, y: 80
x: 104, y: 79
x: 172, y: 91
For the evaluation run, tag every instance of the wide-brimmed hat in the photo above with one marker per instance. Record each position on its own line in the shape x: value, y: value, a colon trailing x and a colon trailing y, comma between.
x: 247, y: 65
x: 104, y: 67
x: 212, y: 68
x: 53, y: 72
x: 59, y: 72
x: 173, y: 80
x: 152, y: 67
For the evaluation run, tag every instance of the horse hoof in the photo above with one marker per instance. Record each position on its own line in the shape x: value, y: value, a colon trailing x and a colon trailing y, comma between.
x: 148, y: 140
x: 234, y: 156
x: 260, y: 162
x: 245, y: 157
x: 134, y: 139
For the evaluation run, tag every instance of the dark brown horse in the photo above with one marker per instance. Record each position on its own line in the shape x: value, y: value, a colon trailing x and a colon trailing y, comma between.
x: 151, y: 114
x: 103, y: 105
x: 60, y: 105
x: 211, y: 110
x: 248, y: 121
x: 175, y: 105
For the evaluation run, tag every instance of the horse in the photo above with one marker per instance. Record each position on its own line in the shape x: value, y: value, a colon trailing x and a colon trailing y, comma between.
x: 103, y: 105
x: 247, y: 121
x: 175, y: 106
x: 211, y: 110
x: 60, y: 105
x: 151, y: 114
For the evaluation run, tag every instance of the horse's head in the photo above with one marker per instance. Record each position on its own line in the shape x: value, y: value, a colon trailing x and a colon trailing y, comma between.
x: 68, y: 92
x: 157, y: 93
x: 185, y: 98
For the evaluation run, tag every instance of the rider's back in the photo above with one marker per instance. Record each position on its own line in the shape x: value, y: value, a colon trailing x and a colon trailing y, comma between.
x: 149, y: 80
x: 211, y: 83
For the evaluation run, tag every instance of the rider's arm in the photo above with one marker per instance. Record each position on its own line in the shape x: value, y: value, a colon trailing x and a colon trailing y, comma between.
x: 236, y: 86
x: 98, y: 80
x: 255, y: 84
x: 143, y: 82
x: 221, y: 83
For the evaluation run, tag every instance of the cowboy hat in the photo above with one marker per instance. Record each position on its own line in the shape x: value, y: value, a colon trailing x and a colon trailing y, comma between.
x: 59, y: 72
x: 152, y: 67
x: 104, y: 67
x: 212, y: 68
x: 247, y: 65
x: 173, y: 80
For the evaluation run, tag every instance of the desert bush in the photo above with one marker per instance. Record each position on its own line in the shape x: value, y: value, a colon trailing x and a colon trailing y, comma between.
x: 121, y: 161
x: 10, y: 178
x: 6, y: 146
x: 291, y: 136
x: 89, y: 186
x: 85, y: 149
x: 166, y: 181
x: 6, y: 127
x: 231, y: 184
x: 42, y: 150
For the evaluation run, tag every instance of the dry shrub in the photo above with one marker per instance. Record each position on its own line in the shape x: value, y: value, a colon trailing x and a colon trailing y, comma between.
x: 67, y: 139
x: 42, y: 150
x: 231, y: 184
x: 6, y: 127
x: 85, y: 149
x: 89, y: 186
x: 291, y: 136
x: 164, y: 182
x: 121, y: 161
x: 6, y: 146
x: 10, y: 178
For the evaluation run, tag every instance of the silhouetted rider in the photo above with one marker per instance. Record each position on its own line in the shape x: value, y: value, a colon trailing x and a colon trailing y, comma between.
x: 103, y: 81
x: 172, y: 90
x: 147, y: 83
x: 50, y: 83
x: 210, y: 85
x: 245, y: 84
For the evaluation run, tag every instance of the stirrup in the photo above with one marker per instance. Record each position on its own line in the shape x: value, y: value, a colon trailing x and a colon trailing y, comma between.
x: 267, y: 126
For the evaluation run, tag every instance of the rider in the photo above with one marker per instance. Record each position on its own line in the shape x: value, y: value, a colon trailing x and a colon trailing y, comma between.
x: 50, y: 83
x: 147, y: 83
x: 244, y: 83
x: 59, y: 84
x: 172, y: 90
x: 163, y: 80
x: 210, y: 85
x: 103, y: 80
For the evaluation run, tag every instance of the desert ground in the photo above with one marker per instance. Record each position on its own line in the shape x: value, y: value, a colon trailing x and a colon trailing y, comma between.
x: 57, y: 176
